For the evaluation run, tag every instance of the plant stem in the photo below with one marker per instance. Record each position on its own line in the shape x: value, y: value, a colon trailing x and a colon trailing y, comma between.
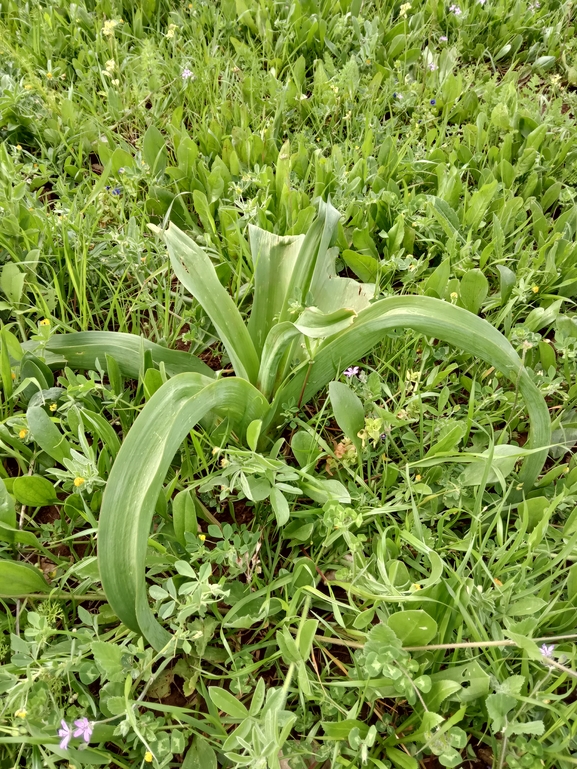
x: 462, y: 645
x: 57, y: 596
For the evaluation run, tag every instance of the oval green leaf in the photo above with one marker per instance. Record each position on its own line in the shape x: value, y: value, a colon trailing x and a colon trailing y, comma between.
x: 414, y: 627
x: 34, y: 491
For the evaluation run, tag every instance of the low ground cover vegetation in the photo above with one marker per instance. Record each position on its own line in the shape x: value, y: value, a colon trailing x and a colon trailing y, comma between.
x: 288, y: 358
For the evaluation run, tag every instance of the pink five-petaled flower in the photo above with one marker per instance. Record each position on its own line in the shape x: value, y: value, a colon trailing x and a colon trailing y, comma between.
x: 66, y: 734
x: 351, y: 371
x: 187, y: 74
x: 83, y: 729
x: 455, y: 9
x: 547, y: 651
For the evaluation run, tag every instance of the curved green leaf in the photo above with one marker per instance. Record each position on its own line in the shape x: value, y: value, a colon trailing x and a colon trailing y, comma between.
x: 311, y: 269
x: 34, y: 491
x: 82, y: 350
x: 274, y: 258
x: 46, y: 434
x: 276, y: 349
x: 19, y: 579
x: 413, y: 627
x: 436, y: 319
x: 195, y: 271
x: 317, y: 324
x: 137, y: 477
x: 348, y: 410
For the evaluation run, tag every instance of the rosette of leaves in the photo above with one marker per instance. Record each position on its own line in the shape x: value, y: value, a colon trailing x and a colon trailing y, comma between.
x: 306, y: 325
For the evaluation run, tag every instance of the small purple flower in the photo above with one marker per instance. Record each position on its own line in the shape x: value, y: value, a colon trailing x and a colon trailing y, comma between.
x: 66, y: 734
x: 433, y: 66
x: 547, y: 651
x: 107, y: 187
x: 187, y: 73
x: 443, y: 39
x: 433, y: 102
x: 83, y: 729
x: 351, y: 371
x: 121, y: 170
x: 455, y: 9
x: 117, y: 191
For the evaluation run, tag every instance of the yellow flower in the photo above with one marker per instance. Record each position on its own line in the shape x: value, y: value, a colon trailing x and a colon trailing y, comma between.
x: 418, y: 477
x: 44, y: 322
x: 404, y: 8
x: 53, y: 407
x: 171, y: 30
x: 202, y: 537
x: 108, y: 28
x: 416, y: 586
x: 23, y: 433
x: 13, y: 375
x: 21, y: 713
x: 498, y: 582
x: 18, y: 147
x: 78, y: 481
x: 148, y: 757
x: 110, y: 65
x: 28, y: 87
x: 454, y: 295
x: 535, y: 289
x: 49, y: 75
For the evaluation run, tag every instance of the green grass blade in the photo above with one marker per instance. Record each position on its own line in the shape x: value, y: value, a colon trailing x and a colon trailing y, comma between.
x: 195, y: 271
x: 81, y: 350
x: 137, y: 477
x: 436, y: 319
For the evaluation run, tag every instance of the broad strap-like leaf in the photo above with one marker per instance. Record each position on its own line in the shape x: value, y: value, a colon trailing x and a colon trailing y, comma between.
x: 274, y: 258
x: 330, y: 292
x: 195, y: 271
x: 311, y: 267
x: 277, y: 349
x: 81, y: 350
x: 316, y: 324
x: 433, y: 318
x: 136, y: 480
